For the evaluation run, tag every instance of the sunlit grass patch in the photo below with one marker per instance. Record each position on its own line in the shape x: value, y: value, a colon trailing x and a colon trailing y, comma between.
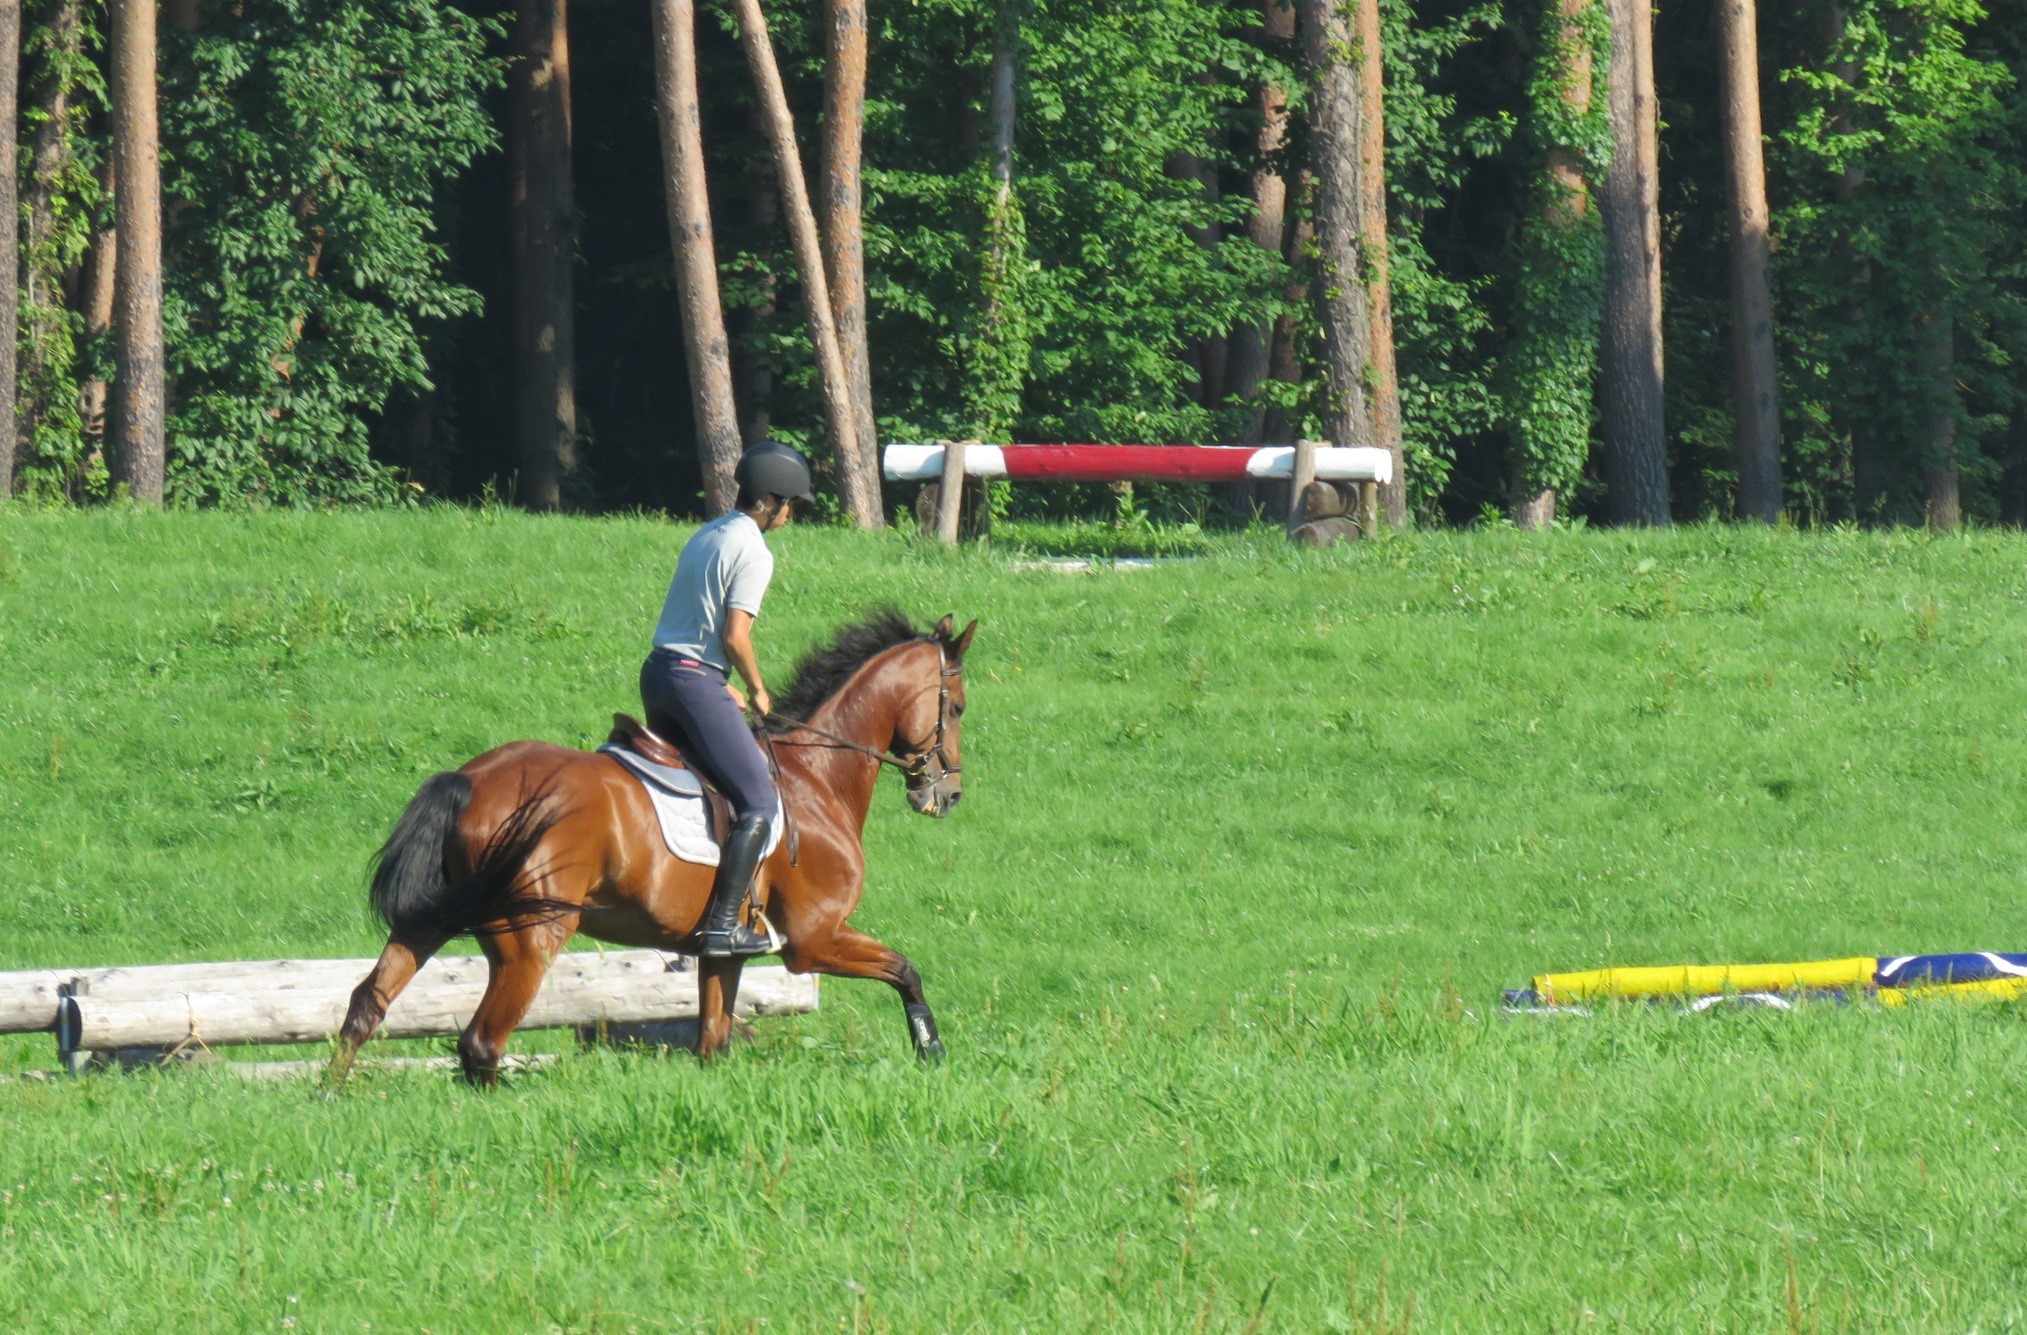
x: 1251, y: 844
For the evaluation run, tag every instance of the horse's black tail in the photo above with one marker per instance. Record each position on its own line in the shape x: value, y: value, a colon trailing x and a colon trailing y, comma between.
x: 425, y: 883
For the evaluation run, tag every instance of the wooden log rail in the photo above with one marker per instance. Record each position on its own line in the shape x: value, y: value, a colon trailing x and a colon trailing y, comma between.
x: 1333, y: 490
x: 304, y: 1001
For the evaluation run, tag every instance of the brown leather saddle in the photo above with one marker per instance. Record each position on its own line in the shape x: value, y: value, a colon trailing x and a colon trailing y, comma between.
x: 643, y: 741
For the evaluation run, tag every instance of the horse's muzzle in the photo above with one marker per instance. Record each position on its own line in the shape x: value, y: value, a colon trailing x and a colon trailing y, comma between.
x: 934, y: 799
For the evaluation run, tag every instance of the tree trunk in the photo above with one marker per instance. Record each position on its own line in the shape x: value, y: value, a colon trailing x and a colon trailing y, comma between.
x: 139, y: 460
x: 844, y: 222
x: 421, y: 445
x: 999, y: 362
x: 752, y: 372
x: 1250, y: 346
x: 1336, y: 143
x: 689, y: 203
x: 1629, y: 358
x: 2013, y: 482
x: 1206, y: 356
x: 49, y: 152
x: 1868, y: 482
x: 1567, y: 206
x: 858, y: 468
x: 1533, y: 507
x: 1940, y: 474
x: 1382, y: 378
x: 44, y: 323
x: 100, y: 269
x: 10, y: 233
x: 542, y: 200
x: 1005, y: 66
x: 1755, y: 392
x: 1284, y: 359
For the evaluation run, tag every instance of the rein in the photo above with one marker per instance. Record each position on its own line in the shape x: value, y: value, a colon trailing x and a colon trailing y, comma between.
x: 795, y: 724
x: 915, y: 766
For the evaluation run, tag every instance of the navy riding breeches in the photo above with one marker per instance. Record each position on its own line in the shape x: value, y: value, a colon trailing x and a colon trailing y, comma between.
x: 686, y: 701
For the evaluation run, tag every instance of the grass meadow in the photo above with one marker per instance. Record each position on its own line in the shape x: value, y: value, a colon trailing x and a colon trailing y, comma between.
x: 1252, y: 843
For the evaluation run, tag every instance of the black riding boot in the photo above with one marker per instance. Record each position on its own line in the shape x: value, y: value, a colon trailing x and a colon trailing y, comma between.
x: 722, y: 934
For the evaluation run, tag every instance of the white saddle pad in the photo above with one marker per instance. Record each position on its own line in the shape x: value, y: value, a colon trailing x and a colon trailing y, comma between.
x: 679, y: 805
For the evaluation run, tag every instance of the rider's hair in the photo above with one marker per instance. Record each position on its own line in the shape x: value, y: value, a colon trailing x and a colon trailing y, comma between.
x: 746, y: 500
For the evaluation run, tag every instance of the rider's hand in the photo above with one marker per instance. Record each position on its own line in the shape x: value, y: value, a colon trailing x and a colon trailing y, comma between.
x: 737, y: 699
x: 763, y: 703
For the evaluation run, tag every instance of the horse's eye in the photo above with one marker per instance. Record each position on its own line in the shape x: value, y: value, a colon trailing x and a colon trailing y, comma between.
x: 957, y: 711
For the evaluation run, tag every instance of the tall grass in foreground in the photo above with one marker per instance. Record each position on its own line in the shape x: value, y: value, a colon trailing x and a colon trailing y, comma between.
x: 1250, y: 845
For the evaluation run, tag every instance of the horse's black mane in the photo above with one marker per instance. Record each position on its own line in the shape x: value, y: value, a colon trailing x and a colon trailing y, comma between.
x: 826, y: 667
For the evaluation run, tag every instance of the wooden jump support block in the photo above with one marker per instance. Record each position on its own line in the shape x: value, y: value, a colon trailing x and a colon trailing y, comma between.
x: 1333, y: 490
x: 627, y: 993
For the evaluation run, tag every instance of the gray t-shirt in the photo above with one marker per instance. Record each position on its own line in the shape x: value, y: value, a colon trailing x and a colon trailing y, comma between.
x: 725, y: 564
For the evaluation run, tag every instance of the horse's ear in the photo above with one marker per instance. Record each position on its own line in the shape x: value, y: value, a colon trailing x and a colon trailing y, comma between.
x: 963, y: 641
x: 944, y: 627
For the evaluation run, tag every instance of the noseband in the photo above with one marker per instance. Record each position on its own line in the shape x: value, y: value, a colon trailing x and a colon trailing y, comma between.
x: 915, y: 767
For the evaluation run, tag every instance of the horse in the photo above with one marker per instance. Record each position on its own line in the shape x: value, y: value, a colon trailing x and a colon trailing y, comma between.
x: 531, y: 843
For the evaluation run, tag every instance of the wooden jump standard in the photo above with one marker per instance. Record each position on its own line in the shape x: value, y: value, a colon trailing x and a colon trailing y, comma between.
x: 1333, y: 490
x: 173, y: 1007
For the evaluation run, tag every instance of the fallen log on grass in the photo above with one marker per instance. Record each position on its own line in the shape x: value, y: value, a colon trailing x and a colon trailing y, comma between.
x: 29, y: 999
x: 304, y: 1001
x: 582, y: 990
x: 422, y: 1011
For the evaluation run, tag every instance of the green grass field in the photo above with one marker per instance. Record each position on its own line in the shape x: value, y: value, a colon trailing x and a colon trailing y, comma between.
x: 1252, y: 843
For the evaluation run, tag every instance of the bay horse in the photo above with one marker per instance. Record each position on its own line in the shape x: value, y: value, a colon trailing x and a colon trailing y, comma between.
x: 531, y: 843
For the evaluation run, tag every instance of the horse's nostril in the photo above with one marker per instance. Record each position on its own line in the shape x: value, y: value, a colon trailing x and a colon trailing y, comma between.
x: 957, y: 797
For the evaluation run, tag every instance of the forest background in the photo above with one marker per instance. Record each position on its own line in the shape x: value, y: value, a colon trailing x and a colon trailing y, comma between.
x: 1150, y: 235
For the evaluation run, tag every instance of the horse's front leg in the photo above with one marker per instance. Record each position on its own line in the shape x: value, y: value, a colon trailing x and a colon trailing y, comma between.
x: 717, y: 994
x: 844, y: 953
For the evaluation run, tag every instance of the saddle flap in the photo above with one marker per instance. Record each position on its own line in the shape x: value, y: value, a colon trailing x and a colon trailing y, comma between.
x: 681, y: 782
x: 635, y: 736
x: 655, y: 762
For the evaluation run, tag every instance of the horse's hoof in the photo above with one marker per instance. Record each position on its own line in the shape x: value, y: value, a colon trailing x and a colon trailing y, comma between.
x: 922, y: 1028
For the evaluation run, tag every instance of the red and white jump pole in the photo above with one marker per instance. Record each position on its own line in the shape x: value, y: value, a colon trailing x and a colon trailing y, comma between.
x: 1138, y: 463
x: 1318, y: 515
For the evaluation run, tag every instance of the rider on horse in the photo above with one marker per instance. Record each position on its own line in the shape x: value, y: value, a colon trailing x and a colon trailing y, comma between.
x: 706, y: 627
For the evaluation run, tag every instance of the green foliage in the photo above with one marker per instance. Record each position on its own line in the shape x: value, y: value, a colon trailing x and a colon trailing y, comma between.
x: 1250, y: 844
x: 1003, y: 345
x: 335, y: 219
x: 1112, y: 284
x: 1117, y: 91
x: 62, y: 162
x: 1551, y: 367
x: 1909, y: 186
x: 306, y: 141
x: 1442, y: 329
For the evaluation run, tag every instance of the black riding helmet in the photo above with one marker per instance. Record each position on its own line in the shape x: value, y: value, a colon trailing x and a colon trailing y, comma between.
x: 771, y: 466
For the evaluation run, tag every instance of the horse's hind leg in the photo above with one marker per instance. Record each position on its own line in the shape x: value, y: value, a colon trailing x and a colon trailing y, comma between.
x: 520, y: 960
x: 403, y: 957
x: 845, y: 953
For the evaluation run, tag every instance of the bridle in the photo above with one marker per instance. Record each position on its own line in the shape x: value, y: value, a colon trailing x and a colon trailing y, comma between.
x: 915, y: 767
